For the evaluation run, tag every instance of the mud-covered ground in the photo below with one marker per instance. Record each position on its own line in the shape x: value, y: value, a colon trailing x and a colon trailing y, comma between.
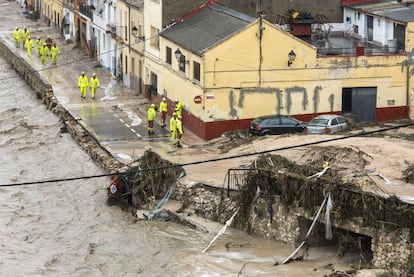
x: 67, y: 229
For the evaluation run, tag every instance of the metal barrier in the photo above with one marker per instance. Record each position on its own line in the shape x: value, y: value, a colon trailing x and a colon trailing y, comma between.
x: 235, y: 179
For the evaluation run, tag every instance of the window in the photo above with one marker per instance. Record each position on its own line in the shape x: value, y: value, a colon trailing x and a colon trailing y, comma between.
x: 181, y: 65
x: 126, y: 64
x: 154, y: 84
x: 196, y: 71
x: 334, y: 122
x: 287, y: 121
x: 168, y: 55
x: 154, y: 38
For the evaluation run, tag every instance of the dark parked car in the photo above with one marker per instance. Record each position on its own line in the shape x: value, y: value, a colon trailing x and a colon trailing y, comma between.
x: 275, y: 125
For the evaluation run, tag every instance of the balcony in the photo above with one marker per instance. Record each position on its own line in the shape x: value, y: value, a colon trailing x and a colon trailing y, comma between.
x: 87, y: 10
x: 118, y: 32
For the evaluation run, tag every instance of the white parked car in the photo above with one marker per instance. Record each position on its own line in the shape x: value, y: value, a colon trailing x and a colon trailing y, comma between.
x: 327, y: 124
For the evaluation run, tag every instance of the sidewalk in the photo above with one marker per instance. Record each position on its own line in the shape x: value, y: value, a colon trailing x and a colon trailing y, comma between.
x: 64, y: 76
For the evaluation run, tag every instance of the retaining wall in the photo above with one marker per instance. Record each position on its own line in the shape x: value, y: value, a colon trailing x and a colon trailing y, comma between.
x: 389, y: 249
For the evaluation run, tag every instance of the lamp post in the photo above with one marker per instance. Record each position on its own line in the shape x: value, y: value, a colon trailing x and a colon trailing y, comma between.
x: 292, y: 57
x: 178, y: 55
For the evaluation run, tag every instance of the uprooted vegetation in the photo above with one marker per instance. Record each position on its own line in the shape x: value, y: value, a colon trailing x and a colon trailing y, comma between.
x: 279, y: 177
x: 147, y: 180
x: 408, y: 173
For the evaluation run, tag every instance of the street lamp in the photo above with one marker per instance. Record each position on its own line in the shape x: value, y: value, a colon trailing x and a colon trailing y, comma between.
x: 178, y: 55
x: 134, y: 31
x: 292, y: 57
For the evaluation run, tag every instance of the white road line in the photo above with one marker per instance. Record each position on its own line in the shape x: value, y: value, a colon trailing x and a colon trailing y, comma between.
x: 132, y: 130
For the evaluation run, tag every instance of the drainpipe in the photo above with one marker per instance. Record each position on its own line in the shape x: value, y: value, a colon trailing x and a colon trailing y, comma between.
x: 408, y: 88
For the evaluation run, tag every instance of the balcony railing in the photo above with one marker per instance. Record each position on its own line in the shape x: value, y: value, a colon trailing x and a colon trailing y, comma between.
x: 87, y: 10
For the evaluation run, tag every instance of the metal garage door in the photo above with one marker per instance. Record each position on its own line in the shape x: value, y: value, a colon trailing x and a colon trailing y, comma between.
x: 364, y: 103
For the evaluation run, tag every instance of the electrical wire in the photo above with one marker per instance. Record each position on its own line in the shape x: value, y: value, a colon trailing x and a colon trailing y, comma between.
x: 363, y: 133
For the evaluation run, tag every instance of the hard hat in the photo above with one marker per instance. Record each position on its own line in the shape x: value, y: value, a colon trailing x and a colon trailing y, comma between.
x: 163, y: 99
x: 94, y: 74
x: 38, y: 37
x: 176, y: 100
x: 48, y: 36
x: 153, y: 105
x: 174, y: 114
x: 44, y: 43
x: 179, y: 117
x: 83, y: 72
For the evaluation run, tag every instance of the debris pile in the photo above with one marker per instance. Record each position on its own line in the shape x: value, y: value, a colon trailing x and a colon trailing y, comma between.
x: 144, y: 181
x: 409, y: 174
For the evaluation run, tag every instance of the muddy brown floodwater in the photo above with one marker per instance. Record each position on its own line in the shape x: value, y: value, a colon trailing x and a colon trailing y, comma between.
x: 66, y: 228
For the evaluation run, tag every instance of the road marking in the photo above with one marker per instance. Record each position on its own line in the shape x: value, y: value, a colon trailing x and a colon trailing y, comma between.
x: 127, y: 125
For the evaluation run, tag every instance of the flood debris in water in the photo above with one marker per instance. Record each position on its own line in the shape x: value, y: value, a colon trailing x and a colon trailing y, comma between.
x: 144, y: 181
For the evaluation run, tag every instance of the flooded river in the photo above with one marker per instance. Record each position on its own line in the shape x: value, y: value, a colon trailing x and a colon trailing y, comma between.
x: 66, y: 228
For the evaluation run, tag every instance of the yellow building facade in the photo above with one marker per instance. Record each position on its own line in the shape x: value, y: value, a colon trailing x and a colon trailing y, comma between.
x: 53, y: 12
x: 248, y: 75
x: 132, y: 17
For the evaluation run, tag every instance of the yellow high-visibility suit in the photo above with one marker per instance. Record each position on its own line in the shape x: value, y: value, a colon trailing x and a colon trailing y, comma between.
x: 173, y: 128
x: 54, y: 52
x: 25, y: 36
x: 16, y: 35
x: 83, y: 84
x: 44, y: 52
x: 178, y: 109
x: 39, y: 44
x: 29, y: 47
x: 151, y: 117
x: 163, y: 111
x: 93, y: 84
x: 179, y: 128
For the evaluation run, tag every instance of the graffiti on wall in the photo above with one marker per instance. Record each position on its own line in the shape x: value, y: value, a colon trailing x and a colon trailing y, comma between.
x: 279, y: 98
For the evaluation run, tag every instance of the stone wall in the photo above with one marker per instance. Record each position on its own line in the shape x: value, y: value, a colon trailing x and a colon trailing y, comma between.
x: 44, y: 92
x: 390, y: 249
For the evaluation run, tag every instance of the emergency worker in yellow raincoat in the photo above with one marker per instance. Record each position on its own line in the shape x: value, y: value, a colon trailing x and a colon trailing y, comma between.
x: 29, y: 46
x: 151, y: 117
x: 54, y: 52
x: 179, y: 130
x: 25, y: 36
x: 163, y: 111
x: 16, y: 36
x: 173, y: 128
x: 83, y: 84
x: 39, y: 44
x: 44, y: 53
x: 93, y: 84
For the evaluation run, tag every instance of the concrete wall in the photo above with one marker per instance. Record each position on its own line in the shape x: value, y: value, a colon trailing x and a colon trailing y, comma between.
x: 44, y: 92
x: 391, y: 249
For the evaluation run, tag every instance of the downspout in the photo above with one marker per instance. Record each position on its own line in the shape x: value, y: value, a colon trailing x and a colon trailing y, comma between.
x: 129, y: 29
x: 261, y: 28
x: 408, y: 88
